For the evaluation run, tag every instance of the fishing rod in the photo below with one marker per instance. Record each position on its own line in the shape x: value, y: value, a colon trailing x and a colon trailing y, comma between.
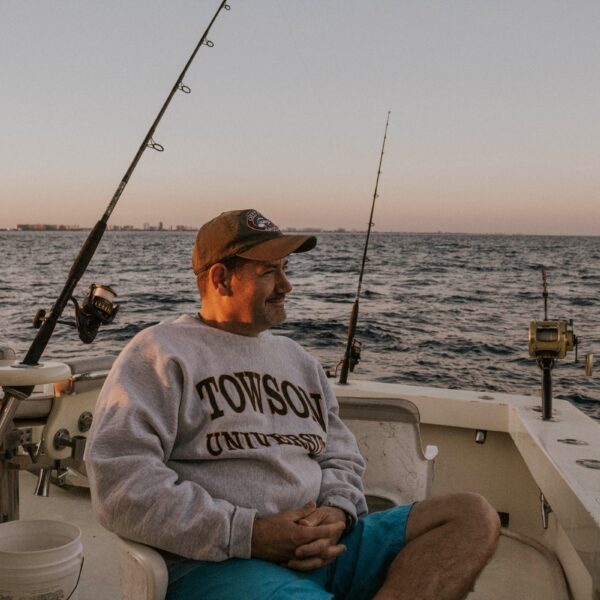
x: 98, y: 308
x: 352, y: 355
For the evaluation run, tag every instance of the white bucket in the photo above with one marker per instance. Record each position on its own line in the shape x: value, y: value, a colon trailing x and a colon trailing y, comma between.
x: 39, y: 559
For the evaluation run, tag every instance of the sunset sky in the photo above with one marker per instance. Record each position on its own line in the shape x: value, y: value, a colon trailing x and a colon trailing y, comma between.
x: 495, y: 124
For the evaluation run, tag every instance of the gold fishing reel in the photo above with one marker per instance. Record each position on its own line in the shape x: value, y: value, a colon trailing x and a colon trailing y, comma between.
x: 551, y: 339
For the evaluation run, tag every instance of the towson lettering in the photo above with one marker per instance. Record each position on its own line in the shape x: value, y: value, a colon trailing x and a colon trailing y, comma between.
x: 246, y: 390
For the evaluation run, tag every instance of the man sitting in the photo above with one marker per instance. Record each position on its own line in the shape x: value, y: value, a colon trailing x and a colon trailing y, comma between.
x: 220, y: 444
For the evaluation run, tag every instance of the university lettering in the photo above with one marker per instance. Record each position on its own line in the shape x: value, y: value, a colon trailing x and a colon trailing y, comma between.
x: 227, y: 441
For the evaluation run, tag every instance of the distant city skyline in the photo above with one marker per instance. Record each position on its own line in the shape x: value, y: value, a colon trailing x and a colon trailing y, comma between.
x: 160, y: 226
x: 494, y: 125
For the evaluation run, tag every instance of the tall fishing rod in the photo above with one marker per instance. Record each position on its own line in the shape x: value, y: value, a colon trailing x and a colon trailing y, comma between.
x: 352, y: 354
x: 98, y: 308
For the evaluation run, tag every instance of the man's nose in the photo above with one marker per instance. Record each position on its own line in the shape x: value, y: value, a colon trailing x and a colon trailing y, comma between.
x: 283, y: 284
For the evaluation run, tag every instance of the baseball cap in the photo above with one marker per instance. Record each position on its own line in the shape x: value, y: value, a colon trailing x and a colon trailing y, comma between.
x: 244, y: 233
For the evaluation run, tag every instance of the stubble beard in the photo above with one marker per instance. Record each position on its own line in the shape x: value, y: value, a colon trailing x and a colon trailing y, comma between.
x: 275, y: 314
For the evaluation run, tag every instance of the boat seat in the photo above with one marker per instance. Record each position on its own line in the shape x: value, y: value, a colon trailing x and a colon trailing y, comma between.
x: 388, y: 434
x: 398, y: 471
x: 144, y: 574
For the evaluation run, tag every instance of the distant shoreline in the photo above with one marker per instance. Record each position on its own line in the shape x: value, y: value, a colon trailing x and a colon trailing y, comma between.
x: 313, y: 231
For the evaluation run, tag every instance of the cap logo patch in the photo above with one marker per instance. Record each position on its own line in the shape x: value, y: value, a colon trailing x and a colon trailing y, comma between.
x: 256, y: 221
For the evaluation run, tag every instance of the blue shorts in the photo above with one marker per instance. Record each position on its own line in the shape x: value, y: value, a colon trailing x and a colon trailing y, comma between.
x: 357, y: 574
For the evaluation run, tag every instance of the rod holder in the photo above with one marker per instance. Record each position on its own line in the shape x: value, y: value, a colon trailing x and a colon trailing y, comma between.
x: 546, y: 365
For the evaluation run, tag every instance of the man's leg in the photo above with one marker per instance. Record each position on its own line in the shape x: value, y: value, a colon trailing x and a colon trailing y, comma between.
x: 449, y: 540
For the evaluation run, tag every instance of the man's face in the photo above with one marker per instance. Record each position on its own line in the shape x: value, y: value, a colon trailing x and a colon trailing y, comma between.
x: 258, y: 293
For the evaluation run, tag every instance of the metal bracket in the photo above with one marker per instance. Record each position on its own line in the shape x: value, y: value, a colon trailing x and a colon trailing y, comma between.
x: 62, y: 439
x: 546, y: 509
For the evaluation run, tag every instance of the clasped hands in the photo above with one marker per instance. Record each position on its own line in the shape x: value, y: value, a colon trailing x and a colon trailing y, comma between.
x: 303, y: 539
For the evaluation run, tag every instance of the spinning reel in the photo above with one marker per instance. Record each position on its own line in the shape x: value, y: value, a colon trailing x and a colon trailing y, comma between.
x: 98, y: 308
x: 354, y: 358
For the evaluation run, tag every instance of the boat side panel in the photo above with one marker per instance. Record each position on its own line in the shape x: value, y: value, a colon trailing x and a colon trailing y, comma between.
x: 497, y: 470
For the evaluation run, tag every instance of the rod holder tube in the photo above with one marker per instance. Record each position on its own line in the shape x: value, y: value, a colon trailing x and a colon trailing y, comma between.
x: 547, y: 364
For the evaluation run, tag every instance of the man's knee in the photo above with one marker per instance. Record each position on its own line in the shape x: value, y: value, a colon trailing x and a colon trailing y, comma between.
x: 470, y: 513
x: 478, y: 517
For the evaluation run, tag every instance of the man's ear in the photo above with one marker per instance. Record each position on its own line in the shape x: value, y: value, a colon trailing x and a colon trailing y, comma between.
x: 220, y: 279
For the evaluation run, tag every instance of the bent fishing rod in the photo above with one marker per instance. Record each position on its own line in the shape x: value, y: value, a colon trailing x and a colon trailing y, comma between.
x: 352, y: 355
x: 98, y: 308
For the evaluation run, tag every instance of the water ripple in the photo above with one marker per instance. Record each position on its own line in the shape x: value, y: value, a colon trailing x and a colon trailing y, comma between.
x: 443, y: 310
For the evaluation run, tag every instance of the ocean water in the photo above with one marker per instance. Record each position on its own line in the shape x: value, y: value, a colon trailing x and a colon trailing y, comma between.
x: 442, y: 310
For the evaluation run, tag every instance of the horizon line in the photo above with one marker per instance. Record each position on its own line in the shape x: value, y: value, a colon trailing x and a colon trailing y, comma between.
x: 58, y: 228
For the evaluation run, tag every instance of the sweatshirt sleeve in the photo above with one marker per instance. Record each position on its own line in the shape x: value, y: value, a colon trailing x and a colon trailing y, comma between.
x: 134, y: 493
x: 341, y: 463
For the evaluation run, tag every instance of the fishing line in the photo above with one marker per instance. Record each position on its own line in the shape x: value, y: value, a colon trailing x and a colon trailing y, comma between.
x: 352, y: 355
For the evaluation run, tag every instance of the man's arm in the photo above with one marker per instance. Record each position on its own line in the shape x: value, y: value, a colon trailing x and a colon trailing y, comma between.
x: 134, y: 492
x: 341, y: 498
x: 341, y: 464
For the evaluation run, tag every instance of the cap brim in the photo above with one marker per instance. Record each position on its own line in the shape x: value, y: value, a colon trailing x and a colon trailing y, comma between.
x: 280, y: 247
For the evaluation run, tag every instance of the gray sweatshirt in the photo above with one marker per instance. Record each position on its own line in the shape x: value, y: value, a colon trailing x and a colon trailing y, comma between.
x: 198, y: 431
